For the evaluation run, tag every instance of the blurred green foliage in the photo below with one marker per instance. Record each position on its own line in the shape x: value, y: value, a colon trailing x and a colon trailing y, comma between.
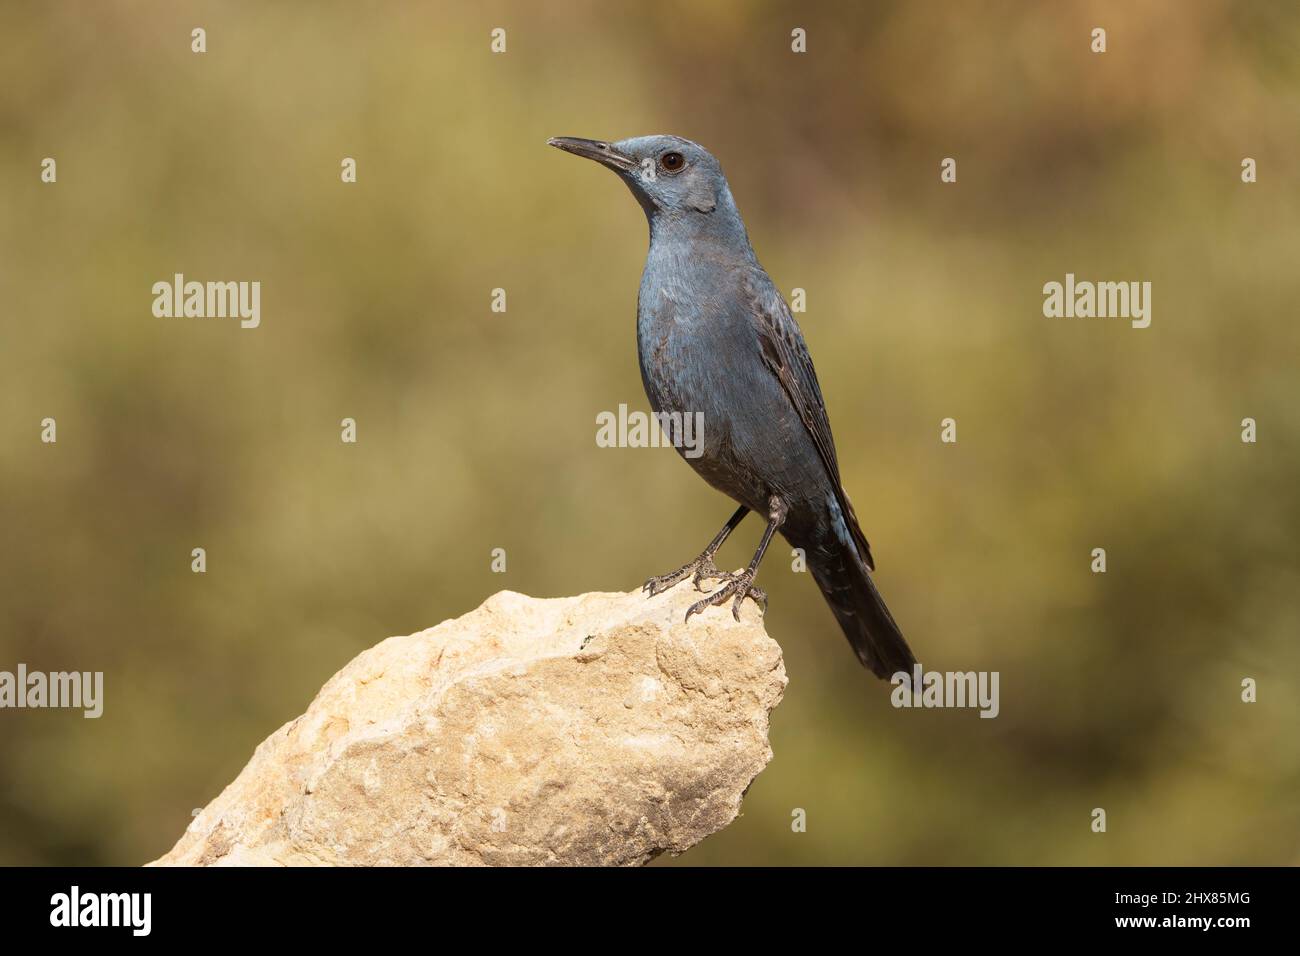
x: 476, y: 430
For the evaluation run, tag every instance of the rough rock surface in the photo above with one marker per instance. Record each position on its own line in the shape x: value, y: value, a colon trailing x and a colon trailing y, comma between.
x: 597, y: 729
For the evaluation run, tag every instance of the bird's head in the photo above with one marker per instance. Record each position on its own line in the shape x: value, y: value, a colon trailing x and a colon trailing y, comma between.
x: 667, y: 174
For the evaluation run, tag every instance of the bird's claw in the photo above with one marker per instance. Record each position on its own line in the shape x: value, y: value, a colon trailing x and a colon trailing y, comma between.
x: 740, y: 586
x: 706, y: 569
x: 699, y: 569
x: 661, y: 583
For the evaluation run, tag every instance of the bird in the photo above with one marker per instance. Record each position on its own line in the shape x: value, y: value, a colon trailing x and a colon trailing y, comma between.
x: 716, y: 338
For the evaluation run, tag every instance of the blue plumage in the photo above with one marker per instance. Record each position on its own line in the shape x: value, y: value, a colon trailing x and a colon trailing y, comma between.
x: 715, y: 336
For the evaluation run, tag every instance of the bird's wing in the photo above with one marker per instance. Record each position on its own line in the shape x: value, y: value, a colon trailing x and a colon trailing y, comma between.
x: 786, y: 356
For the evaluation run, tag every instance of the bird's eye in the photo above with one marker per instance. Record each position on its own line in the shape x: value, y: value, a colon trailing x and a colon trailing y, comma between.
x: 672, y: 161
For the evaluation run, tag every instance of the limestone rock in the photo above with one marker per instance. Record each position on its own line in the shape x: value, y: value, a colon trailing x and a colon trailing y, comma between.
x: 597, y: 729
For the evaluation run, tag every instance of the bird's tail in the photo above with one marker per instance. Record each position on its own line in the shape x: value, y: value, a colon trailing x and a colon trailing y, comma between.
x: 861, y: 611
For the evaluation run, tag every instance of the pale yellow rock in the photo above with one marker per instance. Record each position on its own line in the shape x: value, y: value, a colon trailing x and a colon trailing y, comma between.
x: 597, y: 729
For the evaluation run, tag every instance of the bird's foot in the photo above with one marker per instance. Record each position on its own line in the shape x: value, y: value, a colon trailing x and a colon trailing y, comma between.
x: 697, y: 570
x: 739, y: 586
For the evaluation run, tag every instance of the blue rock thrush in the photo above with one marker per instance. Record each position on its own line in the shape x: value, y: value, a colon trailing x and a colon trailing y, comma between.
x: 715, y: 337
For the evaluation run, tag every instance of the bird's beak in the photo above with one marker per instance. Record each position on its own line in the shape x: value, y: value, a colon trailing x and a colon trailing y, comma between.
x: 602, y: 153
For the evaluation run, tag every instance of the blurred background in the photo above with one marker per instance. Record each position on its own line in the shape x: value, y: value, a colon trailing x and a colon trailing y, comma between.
x: 476, y: 430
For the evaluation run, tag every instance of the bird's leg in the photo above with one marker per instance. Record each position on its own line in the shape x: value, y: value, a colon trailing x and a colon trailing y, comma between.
x: 742, y: 585
x: 702, y: 566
